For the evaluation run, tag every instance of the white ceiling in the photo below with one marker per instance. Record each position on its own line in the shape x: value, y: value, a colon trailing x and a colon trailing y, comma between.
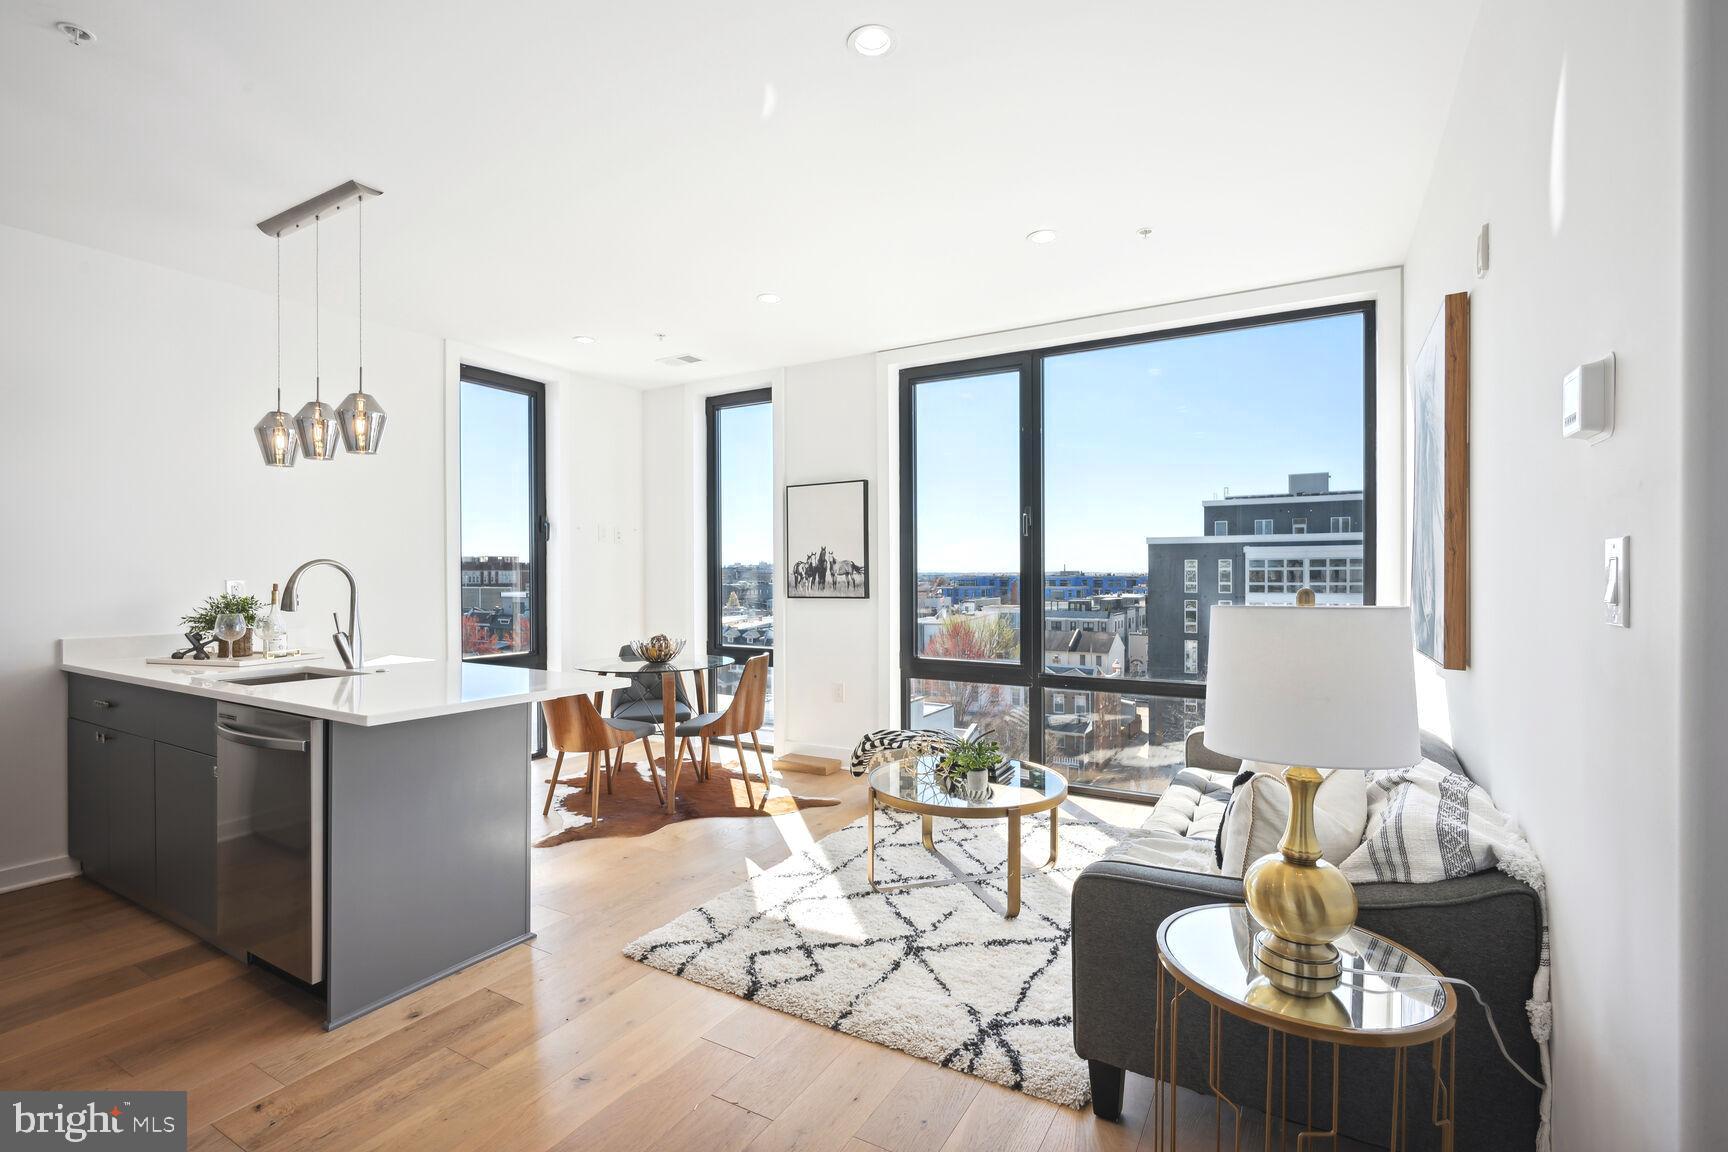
x: 553, y: 168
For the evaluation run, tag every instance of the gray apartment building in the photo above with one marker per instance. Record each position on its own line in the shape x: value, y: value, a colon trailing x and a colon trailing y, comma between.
x: 1259, y: 549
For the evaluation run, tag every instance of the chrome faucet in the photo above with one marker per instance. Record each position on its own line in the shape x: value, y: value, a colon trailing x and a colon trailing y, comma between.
x: 347, y: 641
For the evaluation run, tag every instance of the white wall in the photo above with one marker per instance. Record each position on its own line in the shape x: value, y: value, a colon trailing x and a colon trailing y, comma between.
x: 1564, y: 135
x: 831, y: 688
x: 132, y: 488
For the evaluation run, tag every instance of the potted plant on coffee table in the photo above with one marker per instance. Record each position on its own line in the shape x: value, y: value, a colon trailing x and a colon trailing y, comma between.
x: 966, y: 767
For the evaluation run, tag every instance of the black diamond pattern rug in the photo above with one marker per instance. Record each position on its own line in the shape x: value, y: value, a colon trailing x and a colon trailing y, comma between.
x: 932, y: 971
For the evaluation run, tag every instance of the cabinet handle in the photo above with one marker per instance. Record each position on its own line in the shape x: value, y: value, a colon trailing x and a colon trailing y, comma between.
x: 101, y: 737
x: 103, y: 703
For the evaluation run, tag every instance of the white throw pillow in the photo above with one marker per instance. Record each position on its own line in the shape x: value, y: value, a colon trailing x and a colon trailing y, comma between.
x: 1261, y: 807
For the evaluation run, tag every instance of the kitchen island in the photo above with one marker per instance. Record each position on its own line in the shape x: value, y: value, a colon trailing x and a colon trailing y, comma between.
x: 364, y: 834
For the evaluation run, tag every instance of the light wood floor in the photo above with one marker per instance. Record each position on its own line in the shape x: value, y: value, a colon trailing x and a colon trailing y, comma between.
x: 561, y: 1044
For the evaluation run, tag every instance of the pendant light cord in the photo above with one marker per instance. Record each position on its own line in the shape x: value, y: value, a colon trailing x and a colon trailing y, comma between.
x: 278, y: 322
x: 317, y: 316
x: 360, y: 266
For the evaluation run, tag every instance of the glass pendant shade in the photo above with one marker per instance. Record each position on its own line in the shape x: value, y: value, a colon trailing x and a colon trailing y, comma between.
x: 277, y: 439
x: 318, y: 435
x: 362, y: 420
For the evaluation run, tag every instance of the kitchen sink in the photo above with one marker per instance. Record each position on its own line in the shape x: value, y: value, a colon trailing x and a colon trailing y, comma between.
x: 296, y: 676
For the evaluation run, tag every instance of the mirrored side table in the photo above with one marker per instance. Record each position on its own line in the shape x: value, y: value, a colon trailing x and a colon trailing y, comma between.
x: 1387, y: 998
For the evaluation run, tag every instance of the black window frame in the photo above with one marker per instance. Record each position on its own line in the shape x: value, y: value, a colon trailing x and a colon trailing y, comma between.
x: 536, y: 657
x: 1029, y: 673
x: 715, y: 405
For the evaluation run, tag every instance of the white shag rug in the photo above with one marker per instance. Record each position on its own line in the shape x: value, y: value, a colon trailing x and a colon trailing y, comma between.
x: 933, y: 971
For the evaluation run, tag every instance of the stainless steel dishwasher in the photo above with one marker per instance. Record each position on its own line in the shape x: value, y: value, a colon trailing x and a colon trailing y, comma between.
x: 270, y: 838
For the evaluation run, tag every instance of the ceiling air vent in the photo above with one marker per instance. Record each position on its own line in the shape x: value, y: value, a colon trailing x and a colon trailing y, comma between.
x: 679, y: 361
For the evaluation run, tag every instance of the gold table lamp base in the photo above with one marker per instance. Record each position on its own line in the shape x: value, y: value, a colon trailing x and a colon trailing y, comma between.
x: 1302, y: 902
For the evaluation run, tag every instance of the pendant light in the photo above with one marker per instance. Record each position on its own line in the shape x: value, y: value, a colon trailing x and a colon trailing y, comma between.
x: 317, y: 422
x: 277, y: 438
x: 361, y: 415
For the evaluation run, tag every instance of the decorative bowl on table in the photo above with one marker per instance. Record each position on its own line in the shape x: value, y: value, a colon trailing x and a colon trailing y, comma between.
x: 658, y: 649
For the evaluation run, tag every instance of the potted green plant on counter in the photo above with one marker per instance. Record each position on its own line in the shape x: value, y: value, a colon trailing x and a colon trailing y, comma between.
x: 203, y: 619
x: 966, y: 767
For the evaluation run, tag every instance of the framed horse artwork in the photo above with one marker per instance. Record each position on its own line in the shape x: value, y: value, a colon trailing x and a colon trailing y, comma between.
x: 828, y: 540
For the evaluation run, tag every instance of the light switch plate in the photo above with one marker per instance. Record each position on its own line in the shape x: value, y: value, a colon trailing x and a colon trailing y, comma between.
x: 1616, y: 582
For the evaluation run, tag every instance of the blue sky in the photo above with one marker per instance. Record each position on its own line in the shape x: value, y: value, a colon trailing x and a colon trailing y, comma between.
x: 1135, y: 437
x: 495, y: 484
x: 747, y: 484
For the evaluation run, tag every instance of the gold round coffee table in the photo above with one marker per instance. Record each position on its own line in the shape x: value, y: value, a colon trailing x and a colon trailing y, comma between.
x: 1388, y: 997
x: 1017, y: 788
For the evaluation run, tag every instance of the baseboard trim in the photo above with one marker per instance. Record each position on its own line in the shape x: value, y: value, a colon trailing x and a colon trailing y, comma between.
x: 16, y: 876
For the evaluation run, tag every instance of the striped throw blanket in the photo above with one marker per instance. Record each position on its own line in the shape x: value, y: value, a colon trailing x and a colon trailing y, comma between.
x: 887, y: 744
x: 1427, y: 824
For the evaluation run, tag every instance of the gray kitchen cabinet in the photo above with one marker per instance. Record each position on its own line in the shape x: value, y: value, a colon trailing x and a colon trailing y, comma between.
x: 186, y: 834
x: 87, y: 770
x: 131, y: 774
x: 119, y: 739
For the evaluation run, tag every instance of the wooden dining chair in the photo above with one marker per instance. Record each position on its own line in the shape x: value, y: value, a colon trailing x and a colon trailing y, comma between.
x: 574, y: 725
x: 744, y: 717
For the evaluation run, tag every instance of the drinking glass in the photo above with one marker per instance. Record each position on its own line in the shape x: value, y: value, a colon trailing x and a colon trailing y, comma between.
x: 230, y: 626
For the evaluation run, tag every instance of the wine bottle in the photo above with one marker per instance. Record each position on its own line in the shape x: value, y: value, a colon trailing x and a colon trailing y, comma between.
x: 273, y: 633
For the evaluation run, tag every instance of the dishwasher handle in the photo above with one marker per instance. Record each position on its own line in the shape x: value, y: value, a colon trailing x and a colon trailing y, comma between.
x: 257, y: 740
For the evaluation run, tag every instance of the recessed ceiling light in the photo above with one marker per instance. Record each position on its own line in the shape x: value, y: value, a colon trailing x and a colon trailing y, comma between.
x: 767, y: 298
x: 1042, y: 236
x: 583, y: 339
x: 871, y: 40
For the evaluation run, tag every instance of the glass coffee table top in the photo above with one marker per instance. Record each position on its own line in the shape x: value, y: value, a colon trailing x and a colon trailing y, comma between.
x: 1211, y: 949
x: 1016, y: 784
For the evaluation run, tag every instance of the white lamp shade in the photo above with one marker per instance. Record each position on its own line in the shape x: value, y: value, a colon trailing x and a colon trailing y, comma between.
x: 1319, y: 687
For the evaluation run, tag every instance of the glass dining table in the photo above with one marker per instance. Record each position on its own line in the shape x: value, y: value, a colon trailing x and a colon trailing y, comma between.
x: 698, y: 665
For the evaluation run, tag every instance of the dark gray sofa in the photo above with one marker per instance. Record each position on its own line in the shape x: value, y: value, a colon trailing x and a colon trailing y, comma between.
x: 1485, y: 928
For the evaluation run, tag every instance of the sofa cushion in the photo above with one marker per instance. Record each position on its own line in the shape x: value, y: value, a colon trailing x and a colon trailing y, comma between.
x: 1192, y: 806
x: 1183, y: 828
x: 1260, y: 810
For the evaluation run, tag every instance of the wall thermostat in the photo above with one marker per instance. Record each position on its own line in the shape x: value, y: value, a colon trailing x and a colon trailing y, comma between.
x: 1587, y: 401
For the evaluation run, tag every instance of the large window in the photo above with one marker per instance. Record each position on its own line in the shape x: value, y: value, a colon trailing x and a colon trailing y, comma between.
x: 741, y: 538
x: 504, y: 525
x: 1060, y: 506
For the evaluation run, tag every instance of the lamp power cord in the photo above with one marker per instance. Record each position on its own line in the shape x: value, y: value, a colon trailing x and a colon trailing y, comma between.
x: 1486, y: 1011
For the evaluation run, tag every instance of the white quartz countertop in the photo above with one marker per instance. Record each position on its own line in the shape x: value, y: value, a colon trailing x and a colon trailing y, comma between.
x: 399, y: 688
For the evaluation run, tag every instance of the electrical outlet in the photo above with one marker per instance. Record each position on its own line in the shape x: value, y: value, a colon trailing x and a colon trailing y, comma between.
x: 839, y: 692
x: 234, y: 587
